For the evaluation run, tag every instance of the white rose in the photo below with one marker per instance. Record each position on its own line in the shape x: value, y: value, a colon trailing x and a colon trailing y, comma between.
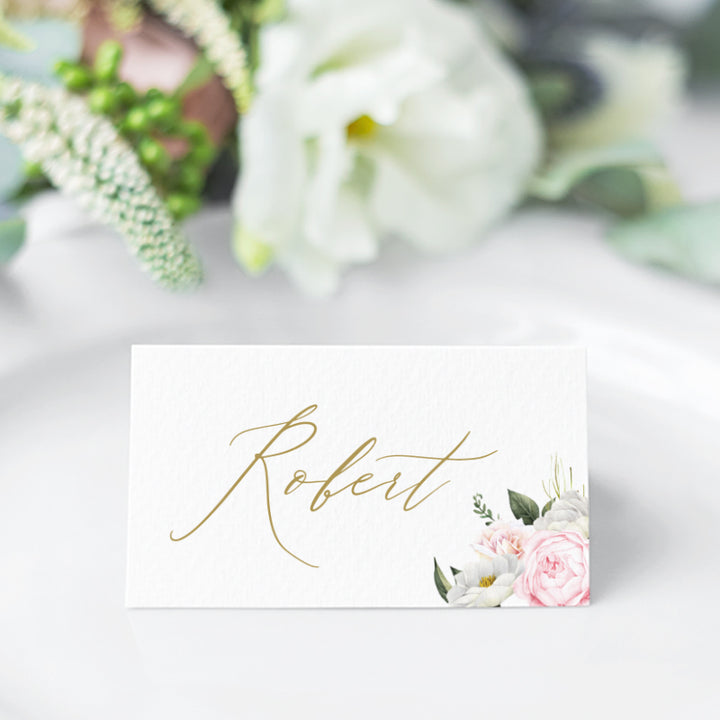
x: 377, y: 118
x: 569, y: 512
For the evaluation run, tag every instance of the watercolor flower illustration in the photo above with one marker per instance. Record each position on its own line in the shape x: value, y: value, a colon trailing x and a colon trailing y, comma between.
x: 485, y: 582
x: 568, y: 512
x: 501, y: 538
x: 556, y: 570
x: 541, y: 557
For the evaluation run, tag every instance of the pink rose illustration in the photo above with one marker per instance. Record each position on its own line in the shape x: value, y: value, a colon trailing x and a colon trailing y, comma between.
x: 503, y: 538
x: 556, y: 570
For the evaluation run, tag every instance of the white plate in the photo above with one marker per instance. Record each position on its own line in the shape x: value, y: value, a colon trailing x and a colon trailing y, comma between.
x: 74, y: 303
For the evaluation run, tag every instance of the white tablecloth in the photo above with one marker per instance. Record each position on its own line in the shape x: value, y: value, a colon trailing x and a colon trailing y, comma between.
x: 74, y: 302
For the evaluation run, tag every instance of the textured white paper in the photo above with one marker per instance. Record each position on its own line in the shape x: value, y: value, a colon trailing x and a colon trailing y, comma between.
x: 522, y: 407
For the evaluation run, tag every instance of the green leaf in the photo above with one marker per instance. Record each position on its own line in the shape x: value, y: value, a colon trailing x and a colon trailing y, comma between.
x: 12, y: 237
x: 12, y: 174
x: 124, y: 15
x: 455, y: 571
x: 627, y: 179
x: 551, y: 91
x: 11, y: 38
x: 441, y: 582
x: 523, y: 507
x: 103, y: 173
x: 253, y: 254
x: 547, y: 506
x: 701, y: 43
x: 685, y: 240
x: 200, y: 73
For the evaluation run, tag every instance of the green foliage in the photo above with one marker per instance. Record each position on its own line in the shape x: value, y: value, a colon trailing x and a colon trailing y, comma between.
x: 147, y: 121
x: 560, y: 482
x: 523, y: 507
x: 49, y: 39
x: 124, y: 14
x: 12, y: 38
x: 12, y: 237
x: 702, y: 45
x: 626, y: 178
x: 441, y: 582
x: 480, y: 508
x: 685, y: 240
x: 83, y: 155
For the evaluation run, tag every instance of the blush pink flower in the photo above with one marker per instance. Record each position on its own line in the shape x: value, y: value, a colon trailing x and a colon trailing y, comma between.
x: 557, y: 570
x: 503, y: 538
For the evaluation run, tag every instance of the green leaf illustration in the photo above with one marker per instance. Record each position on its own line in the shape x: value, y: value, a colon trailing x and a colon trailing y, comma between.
x: 454, y: 571
x: 547, y: 506
x: 523, y: 507
x: 441, y: 582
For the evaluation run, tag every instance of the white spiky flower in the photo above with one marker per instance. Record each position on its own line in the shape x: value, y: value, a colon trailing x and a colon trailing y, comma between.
x: 206, y: 23
x: 83, y: 155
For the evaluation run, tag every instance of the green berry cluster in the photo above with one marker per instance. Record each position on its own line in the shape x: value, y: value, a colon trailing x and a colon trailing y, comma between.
x: 146, y: 120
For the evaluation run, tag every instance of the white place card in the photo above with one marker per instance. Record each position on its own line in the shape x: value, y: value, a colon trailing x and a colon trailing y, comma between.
x: 285, y: 476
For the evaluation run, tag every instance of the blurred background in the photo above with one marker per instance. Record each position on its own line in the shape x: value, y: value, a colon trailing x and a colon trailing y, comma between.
x: 496, y: 172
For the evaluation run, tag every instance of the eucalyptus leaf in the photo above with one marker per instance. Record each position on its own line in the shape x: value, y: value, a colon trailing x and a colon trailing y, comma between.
x: 683, y: 239
x: 523, y: 507
x: 619, y: 190
x: 441, y: 582
x: 12, y: 237
x: 200, y: 73
x: 565, y: 168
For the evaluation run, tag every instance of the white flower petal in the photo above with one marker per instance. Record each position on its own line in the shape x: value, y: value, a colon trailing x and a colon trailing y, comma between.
x: 269, y: 197
x: 376, y: 88
x: 315, y: 273
x: 454, y: 143
x: 505, y: 579
x: 352, y: 224
x: 332, y: 161
x: 495, y: 594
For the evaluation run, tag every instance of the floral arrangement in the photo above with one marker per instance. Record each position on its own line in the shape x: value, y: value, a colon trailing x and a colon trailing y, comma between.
x: 541, y: 557
x: 333, y: 125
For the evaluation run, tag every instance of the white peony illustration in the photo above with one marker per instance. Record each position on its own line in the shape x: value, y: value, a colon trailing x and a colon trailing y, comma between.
x: 485, y: 582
